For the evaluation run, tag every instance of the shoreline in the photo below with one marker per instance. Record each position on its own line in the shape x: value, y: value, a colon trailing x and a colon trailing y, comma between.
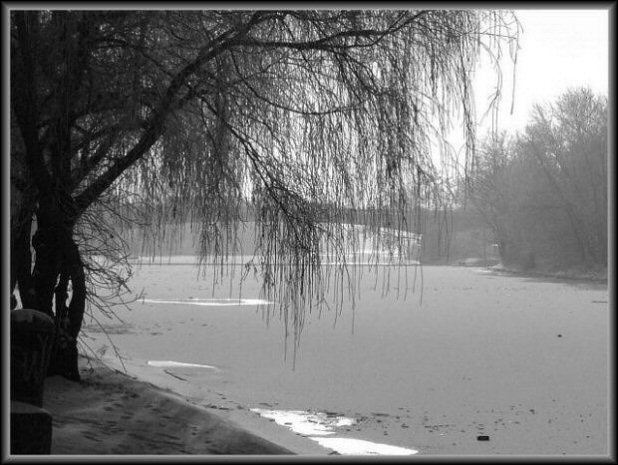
x: 112, y: 413
x: 600, y: 278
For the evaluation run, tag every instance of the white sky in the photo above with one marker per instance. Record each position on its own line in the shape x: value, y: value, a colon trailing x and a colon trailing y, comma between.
x: 559, y: 49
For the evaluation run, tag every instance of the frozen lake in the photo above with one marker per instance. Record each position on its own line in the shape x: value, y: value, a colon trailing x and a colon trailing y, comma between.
x: 486, y: 364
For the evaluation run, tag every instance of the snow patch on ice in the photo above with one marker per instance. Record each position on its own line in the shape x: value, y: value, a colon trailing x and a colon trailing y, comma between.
x: 320, y: 424
x: 210, y: 302
x: 349, y: 446
x: 173, y: 364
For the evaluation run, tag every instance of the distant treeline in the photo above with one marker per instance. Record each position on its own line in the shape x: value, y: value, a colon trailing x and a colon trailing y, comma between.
x: 543, y: 193
x: 535, y: 200
x: 449, y: 237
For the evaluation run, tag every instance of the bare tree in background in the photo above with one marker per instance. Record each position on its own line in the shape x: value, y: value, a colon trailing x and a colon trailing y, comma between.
x: 544, y: 192
x: 299, y: 120
x: 568, y: 141
x: 490, y: 189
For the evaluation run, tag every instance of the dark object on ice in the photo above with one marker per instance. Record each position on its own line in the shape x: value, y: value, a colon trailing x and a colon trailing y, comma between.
x: 482, y: 438
x: 31, y: 429
x: 32, y: 337
x: 559, y: 335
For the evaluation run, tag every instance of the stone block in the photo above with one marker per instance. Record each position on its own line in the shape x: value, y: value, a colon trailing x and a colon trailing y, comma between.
x: 32, y: 334
x: 31, y: 429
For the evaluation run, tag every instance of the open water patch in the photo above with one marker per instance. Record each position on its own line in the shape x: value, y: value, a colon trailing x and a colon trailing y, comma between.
x: 320, y: 426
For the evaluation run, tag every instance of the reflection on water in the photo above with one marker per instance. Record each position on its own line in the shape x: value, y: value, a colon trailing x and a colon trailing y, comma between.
x: 210, y: 302
x: 320, y: 424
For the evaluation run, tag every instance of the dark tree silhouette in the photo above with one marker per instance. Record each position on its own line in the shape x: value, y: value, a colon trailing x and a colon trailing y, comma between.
x: 294, y: 119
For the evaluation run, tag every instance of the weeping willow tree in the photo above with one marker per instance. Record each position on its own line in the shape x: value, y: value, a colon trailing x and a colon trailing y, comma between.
x: 304, y: 122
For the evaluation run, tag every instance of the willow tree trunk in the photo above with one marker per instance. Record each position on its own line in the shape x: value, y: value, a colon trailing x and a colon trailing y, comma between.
x: 46, y: 242
x: 21, y: 263
x: 68, y: 317
x: 59, y: 281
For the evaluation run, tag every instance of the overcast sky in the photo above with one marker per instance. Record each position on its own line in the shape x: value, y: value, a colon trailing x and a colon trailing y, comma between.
x: 558, y: 49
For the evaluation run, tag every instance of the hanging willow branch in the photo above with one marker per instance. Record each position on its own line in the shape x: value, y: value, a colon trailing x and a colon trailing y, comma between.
x: 302, y: 123
x: 310, y: 122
